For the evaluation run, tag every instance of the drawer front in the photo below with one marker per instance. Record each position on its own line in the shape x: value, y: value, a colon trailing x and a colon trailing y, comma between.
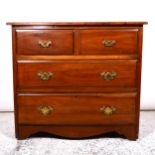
x: 93, y: 73
x: 76, y: 109
x: 44, y: 42
x: 108, y: 41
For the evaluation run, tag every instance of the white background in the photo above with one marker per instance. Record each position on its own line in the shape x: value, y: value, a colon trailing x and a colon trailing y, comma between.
x: 80, y: 10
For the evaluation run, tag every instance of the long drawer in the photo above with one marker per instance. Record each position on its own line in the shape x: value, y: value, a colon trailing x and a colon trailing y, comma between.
x: 76, y: 109
x: 92, y: 73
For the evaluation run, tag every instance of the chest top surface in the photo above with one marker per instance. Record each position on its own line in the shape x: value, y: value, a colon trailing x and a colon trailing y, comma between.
x: 125, y: 23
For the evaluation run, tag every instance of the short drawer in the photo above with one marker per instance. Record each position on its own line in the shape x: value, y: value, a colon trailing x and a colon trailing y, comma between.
x: 92, y: 73
x: 44, y: 42
x: 76, y: 109
x: 110, y: 41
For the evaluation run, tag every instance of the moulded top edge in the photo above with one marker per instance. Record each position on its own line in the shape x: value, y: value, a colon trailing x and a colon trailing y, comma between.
x: 128, y: 23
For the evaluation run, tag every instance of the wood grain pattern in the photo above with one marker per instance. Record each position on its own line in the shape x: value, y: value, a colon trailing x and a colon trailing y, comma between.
x: 125, y: 23
x: 139, y: 66
x: 67, y: 105
x: 77, y: 73
x: 77, y: 132
x: 77, y: 90
x: 60, y: 89
x: 28, y: 42
x: 15, y: 80
x: 30, y: 58
x: 91, y: 41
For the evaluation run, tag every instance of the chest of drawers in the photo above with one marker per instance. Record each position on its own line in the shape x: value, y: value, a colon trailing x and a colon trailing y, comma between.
x: 77, y: 80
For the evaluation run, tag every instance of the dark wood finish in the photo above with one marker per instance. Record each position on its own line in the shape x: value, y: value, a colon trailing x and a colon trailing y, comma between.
x: 76, y: 87
x: 139, y: 67
x: 31, y: 58
x: 91, y: 41
x: 67, y: 105
x: 78, y: 132
x: 28, y: 42
x: 15, y: 80
x: 60, y: 89
x: 77, y: 73
x: 74, y: 28
x: 126, y: 23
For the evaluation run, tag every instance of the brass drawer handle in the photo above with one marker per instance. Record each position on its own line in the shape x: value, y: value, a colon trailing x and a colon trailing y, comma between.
x: 107, y: 110
x: 109, y: 43
x: 108, y: 75
x: 45, y: 75
x: 45, y: 110
x: 45, y: 44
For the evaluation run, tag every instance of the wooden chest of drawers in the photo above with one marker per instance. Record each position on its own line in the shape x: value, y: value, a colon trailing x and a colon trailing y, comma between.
x: 77, y: 80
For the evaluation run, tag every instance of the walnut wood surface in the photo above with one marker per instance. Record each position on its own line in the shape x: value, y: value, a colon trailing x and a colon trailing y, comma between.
x: 77, y: 73
x: 76, y: 87
x: 91, y: 41
x: 77, y: 132
x: 76, y: 109
x: 28, y: 42
x: 125, y: 23
x: 30, y: 58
